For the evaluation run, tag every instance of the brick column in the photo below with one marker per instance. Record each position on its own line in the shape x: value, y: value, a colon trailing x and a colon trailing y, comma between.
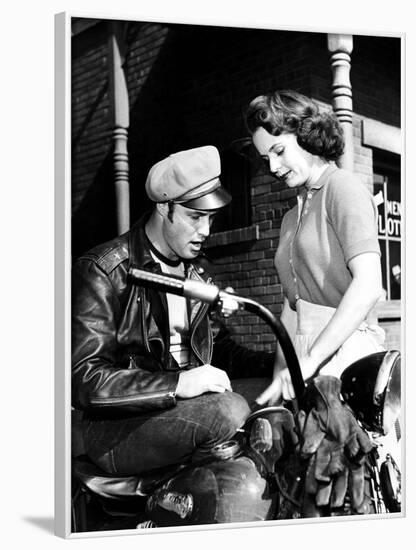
x: 340, y: 47
x: 119, y: 112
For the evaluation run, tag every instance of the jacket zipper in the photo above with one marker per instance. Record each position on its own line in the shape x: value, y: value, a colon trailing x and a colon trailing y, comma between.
x: 198, y: 318
x: 201, y: 312
x: 143, y: 314
x: 144, y: 329
x: 133, y: 399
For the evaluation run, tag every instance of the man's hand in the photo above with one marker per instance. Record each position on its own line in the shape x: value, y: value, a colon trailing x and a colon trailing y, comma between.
x: 228, y: 305
x: 201, y: 380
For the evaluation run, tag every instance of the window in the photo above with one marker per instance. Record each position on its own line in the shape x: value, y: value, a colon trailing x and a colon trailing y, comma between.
x: 388, y: 198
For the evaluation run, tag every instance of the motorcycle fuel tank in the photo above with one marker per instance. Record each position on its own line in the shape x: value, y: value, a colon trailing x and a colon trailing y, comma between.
x: 220, y: 491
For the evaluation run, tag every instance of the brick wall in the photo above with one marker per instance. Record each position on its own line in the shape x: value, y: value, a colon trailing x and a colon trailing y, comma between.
x: 188, y: 86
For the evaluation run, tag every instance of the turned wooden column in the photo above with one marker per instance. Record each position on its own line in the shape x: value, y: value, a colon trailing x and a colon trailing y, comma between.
x: 119, y: 112
x: 340, y: 47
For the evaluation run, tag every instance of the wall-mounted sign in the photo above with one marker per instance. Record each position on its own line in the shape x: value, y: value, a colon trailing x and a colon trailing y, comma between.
x: 389, y: 216
x: 387, y: 199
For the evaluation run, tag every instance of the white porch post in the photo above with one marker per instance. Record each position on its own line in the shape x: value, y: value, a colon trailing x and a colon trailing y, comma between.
x: 119, y: 112
x: 340, y: 47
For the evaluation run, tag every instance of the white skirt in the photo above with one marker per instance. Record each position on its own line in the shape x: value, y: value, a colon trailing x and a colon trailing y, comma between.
x: 313, y: 318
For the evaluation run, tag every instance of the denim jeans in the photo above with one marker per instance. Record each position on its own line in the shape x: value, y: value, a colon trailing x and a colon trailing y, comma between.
x: 136, y: 444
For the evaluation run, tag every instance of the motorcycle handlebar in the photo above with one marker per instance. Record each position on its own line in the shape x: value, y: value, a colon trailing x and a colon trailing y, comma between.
x: 211, y: 294
x: 189, y: 288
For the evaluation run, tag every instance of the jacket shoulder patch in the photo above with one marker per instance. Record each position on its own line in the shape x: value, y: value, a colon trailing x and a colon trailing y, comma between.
x: 113, y: 258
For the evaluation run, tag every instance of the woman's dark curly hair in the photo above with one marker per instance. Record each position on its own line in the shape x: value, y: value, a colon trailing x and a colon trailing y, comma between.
x: 287, y: 111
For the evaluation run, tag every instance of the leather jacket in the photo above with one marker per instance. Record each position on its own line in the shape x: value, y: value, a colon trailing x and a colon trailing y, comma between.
x: 120, y: 333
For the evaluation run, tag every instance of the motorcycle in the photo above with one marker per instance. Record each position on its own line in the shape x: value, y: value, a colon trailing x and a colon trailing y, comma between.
x: 255, y: 476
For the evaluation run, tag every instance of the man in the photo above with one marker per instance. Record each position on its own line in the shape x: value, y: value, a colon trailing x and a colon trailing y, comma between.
x: 150, y: 371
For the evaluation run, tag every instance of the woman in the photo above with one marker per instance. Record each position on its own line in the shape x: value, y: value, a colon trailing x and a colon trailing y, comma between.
x: 328, y: 258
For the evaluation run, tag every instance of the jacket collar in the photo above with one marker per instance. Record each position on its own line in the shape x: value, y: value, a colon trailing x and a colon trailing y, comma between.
x: 139, y: 250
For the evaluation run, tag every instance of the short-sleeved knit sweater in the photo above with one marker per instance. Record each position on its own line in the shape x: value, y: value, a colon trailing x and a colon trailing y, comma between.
x: 334, y: 221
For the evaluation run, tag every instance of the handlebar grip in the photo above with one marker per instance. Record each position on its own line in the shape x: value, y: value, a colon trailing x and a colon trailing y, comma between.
x: 164, y: 283
x: 198, y: 290
x: 189, y: 288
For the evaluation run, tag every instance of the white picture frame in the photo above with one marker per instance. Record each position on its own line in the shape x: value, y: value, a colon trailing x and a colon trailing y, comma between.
x: 62, y: 199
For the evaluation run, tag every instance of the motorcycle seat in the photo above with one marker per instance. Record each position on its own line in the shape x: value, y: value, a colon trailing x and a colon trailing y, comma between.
x: 119, y: 487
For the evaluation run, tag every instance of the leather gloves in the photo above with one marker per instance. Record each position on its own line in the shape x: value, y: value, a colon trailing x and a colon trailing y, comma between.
x: 336, y: 446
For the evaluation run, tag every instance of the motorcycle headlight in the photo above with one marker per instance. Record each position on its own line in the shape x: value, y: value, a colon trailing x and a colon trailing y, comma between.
x: 372, y: 388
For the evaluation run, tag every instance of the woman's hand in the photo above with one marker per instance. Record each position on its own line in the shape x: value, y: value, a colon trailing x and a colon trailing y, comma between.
x: 282, y: 387
x: 309, y: 365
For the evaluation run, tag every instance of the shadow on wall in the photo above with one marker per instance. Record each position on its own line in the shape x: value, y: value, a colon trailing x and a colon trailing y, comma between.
x: 93, y: 202
x: 181, y: 97
x: 195, y: 90
x: 94, y: 221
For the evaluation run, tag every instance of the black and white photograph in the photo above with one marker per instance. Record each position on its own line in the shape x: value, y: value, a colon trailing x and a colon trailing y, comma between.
x: 207, y: 306
x: 236, y: 267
